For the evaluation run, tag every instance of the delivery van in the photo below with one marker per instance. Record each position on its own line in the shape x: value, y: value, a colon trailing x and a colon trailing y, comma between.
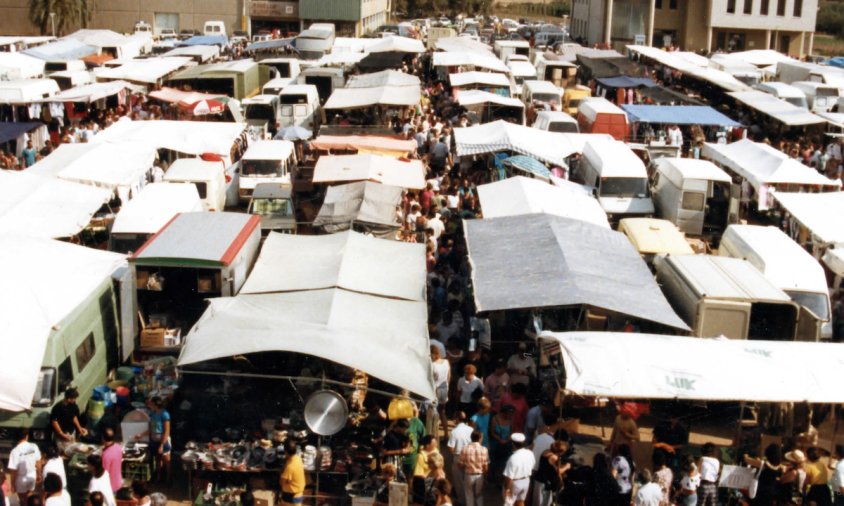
x: 618, y: 176
x: 265, y: 162
x: 695, y: 195
x: 288, y: 70
x: 261, y: 112
x: 326, y: 80
x: 214, y: 28
x: 600, y: 116
x: 783, y: 91
x: 559, y: 72
x: 719, y: 296
x: 503, y: 48
x: 820, y: 97
x: 790, y: 268
x: 555, y: 121
x: 541, y: 92
x: 572, y: 98
x: 274, y: 203
x: 209, y: 178
x: 300, y: 106
x: 653, y: 238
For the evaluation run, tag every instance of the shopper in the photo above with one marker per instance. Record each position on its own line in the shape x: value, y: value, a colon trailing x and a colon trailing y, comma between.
x: 474, y: 461
x: 23, y: 466
x: 113, y: 459
x: 293, y: 476
x: 517, y: 472
x: 100, y: 480
x: 54, y: 492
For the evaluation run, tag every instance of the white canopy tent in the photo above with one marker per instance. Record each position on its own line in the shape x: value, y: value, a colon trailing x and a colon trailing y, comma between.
x: 367, y: 205
x: 383, y: 78
x: 647, y: 366
x: 475, y: 97
x: 692, y: 65
x: 477, y: 60
x: 819, y: 213
x: 150, y: 71
x: 93, y: 92
x: 15, y: 66
x: 782, y: 111
x: 347, y: 260
x: 381, y: 169
x: 188, y: 137
x: 46, y: 207
x: 766, y: 168
x: 397, y: 44
x: 462, y: 44
x: 358, y: 98
x: 478, y: 78
x: 386, y: 338
x: 523, y: 195
x: 46, y: 282
x: 201, y: 52
x: 154, y: 206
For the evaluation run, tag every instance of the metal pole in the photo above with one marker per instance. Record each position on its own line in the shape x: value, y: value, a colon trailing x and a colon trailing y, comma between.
x: 53, y: 22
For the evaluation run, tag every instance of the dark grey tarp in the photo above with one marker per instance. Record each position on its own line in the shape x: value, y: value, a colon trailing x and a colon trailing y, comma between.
x: 540, y: 260
x: 367, y: 204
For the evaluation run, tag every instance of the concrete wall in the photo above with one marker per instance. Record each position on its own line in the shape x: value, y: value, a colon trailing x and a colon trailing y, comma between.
x: 15, y: 18
x: 755, y: 21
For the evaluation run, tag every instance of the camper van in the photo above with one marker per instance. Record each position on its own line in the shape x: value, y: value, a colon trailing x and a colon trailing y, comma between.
x: 265, y: 162
x: 542, y: 92
x: 209, y: 178
x: 72, y: 78
x: 555, y: 121
x: 64, y: 66
x: 600, y: 116
x: 693, y: 194
x: 618, y: 176
x: 503, y: 48
x: 316, y: 41
x: 559, y: 72
x: 214, y: 28
x: 790, y: 268
x: 521, y: 71
x: 261, y: 112
x: 718, y: 296
x: 300, y: 106
x: 326, y: 80
x: 273, y: 202
x: 820, y: 97
x: 288, y: 70
x: 787, y: 92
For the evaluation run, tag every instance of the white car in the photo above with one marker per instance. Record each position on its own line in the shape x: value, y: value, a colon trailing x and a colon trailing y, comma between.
x: 168, y: 33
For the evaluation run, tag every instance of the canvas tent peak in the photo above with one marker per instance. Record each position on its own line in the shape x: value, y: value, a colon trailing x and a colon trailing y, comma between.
x: 359, y: 98
x: 364, y: 205
x: 367, y: 167
x: 820, y: 213
x: 383, y: 78
x: 365, y: 144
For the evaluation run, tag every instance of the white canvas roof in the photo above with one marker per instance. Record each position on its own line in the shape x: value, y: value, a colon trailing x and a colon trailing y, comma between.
x: 154, y: 206
x: 192, y: 169
x: 475, y: 77
x: 522, y: 69
x: 474, y: 97
x: 383, y: 78
x: 762, y: 164
x: 677, y: 169
x: 523, y: 195
x: 692, y: 66
x: 203, y: 52
x: 366, y: 167
x: 592, y: 107
x: 348, y: 260
x: 819, y: 212
x: 614, y: 158
x: 92, y: 92
x: 20, y: 66
x: 46, y: 282
x: 759, y: 57
x: 469, y: 59
x: 462, y: 44
x: 780, y: 110
x: 549, y: 147
x: 386, y: 338
x: 148, y: 71
x: 625, y: 365
x: 356, y: 98
x: 268, y: 150
x: 834, y: 259
x: 397, y: 44
x: 189, y: 137
x: 27, y: 90
x: 47, y: 207
x: 364, y: 202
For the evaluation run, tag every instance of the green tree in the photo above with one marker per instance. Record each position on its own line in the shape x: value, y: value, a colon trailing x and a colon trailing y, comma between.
x: 68, y: 14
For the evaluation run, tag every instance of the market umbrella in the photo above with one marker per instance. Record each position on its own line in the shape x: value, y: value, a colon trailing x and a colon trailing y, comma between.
x: 208, y: 106
x: 293, y: 133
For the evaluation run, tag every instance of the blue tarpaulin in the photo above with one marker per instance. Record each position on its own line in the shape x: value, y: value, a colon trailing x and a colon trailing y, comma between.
x: 677, y: 114
x: 528, y: 164
x: 205, y: 40
x: 10, y: 131
x: 625, y: 82
x: 65, y: 49
x: 837, y: 61
x: 271, y: 44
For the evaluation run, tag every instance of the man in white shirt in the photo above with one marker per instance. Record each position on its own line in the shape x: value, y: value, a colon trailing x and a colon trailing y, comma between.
x: 838, y: 476
x: 517, y: 472
x: 649, y: 493
x: 435, y: 224
x: 460, y: 437
x: 521, y: 367
x: 23, y: 462
x: 710, y: 467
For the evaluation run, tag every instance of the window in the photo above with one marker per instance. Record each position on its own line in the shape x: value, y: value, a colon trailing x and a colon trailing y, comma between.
x: 65, y: 374
x: 658, y: 4
x: 748, y: 6
x: 780, y: 7
x: 763, y: 9
x: 202, y: 189
x: 693, y: 201
x: 798, y: 8
x: 85, y: 352
x: 672, y: 4
x: 731, y: 6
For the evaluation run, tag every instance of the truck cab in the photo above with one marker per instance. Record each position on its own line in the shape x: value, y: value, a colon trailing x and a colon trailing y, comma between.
x: 261, y: 112
x: 265, y: 162
x: 273, y: 202
x: 214, y: 28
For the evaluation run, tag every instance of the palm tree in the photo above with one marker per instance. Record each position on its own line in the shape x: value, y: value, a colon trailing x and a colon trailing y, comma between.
x: 69, y: 14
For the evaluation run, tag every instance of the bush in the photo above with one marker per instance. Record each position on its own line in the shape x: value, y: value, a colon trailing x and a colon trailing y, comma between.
x: 831, y: 19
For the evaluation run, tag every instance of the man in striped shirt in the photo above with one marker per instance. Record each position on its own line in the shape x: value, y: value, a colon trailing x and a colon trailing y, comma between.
x: 474, y: 460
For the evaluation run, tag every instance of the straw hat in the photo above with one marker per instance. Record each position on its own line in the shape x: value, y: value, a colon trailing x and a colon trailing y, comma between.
x: 795, y: 456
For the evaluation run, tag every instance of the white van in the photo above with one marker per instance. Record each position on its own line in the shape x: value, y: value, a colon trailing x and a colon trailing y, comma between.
x: 261, y: 112
x: 788, y: 266
x: 63, y: 66
x: 618, y: 176
x: 214, y: 28
x: 555, y: 121
x: 288, y: 70
x: 543, y: 92
x: 820, y: 97
x: 787, y: 92
x: 502, y: 48
x: 209, y: 178
x: 521, y: 71
x: 265, y: 162
x: 300, y: 106
x: 316, y: 41
x: 72, y: 78
x: 326, y: 80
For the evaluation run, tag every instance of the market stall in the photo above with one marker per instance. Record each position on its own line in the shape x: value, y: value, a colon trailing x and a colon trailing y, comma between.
x: 380, y: 169
x: 363, y: 144
x: 364, y: 206
x: 492, y: 106
x: 814, y: 218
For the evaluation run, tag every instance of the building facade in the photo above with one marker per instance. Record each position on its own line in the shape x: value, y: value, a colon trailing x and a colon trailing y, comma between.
x: 351, y: 18
x: 698, y: 25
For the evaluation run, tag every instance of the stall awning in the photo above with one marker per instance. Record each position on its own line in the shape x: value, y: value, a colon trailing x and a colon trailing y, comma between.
x: 678, y: 114
x: 469, y: 59
x: 15, y: 66
x: 155, y: 206
x: 468, y: 98
x: 625, y: 82
x: 397, y: 44
x: 365, y: 202
x: 380, y: 169
x: 272, y: 44
x: 92, y: 92
x: 462, y: 44
x: 647, y: 366
x: 204, y: 53
x: 358, y: 98
x: 819, y: 212
x: 834, y: 259
x: 527, y: 164
x: 205, y: 40
x: 666, y: 96
x: 374, y: 62
x: 780, y: 110
x: 348, y: 260
x: 576, y: 264
x: 112, y: 166
x: 148, y: 71
x: 521, y: 195
x: 365, y: 144
x: 480, y: 78
x: 691, y: 65
x: 47, y: 207
x: 64, y: 49
x: 383, y: 78
x: 608, y: 66
x: 386, y: 338
x: 189, y: 137
x: 12, y: 130
x: 46, y: 282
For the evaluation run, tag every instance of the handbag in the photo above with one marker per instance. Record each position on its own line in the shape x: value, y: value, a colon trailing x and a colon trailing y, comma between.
x: 754, y: 484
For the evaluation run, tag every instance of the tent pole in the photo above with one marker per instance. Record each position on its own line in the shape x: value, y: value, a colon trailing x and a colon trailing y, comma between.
x: 739, y: 429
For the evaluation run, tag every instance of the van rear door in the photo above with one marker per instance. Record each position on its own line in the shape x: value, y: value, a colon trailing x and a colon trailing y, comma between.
x: 719, y: 317
x: 808, y: 325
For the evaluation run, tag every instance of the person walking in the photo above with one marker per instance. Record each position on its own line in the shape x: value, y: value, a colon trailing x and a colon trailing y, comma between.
x: 517, y: 472
x: 23, y: 466
x: 474, y: 460
x: 689, y: 484
x: 710, y: 468
x: 113, y: 459
x: 461, y: 436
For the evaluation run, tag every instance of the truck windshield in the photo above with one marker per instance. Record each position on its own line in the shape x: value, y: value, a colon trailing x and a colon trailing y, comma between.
x: 815, y: 302
x: 294, y: 99
x: 274, y: 207
x: 260, y: 112
x: 624, y: 187
x: 258, y: 168
x: 546, y: 97
x: 44, y: 388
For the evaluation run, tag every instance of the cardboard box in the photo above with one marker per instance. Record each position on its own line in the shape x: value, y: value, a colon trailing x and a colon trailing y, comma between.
x: 152, y: 338
x: 264, y: 497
